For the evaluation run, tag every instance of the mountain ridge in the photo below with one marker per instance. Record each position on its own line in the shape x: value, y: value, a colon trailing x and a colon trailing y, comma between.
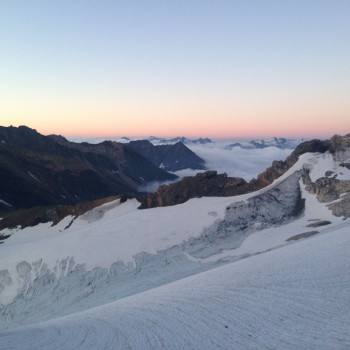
x: 49, y: 170
x: 171, y: 157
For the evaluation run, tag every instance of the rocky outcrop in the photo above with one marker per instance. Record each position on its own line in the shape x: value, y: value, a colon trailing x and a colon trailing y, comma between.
x: 277, y: 169
x: 168, y: 157
x: 342, y: 207
x: 327, y: 189
x: 319, y: 223
x: 338, y: 143
x: 345, y: 165
x: 302, y: 235
x: 210, y: 184
x: 204, y: 184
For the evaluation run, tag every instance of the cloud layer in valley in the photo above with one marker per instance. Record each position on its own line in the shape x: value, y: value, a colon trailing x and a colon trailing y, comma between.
x: 238, y: 162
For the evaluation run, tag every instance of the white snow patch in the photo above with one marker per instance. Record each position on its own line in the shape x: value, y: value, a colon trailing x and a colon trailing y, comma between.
x: 33, y: 176
x: 6, y: 203
x: 321, y: 163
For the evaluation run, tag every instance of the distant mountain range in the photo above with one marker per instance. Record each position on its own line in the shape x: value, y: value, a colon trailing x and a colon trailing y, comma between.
x: 278, y: 142
x: 184, y: 140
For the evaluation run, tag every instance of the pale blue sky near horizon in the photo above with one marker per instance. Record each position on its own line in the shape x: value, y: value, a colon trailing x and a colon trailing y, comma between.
x: 78, y: 65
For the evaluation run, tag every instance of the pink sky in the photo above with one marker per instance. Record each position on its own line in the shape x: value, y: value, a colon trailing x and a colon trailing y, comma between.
x: 234, y: 69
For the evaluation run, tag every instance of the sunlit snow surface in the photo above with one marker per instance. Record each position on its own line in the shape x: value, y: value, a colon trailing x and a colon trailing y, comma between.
x: 117, y: 280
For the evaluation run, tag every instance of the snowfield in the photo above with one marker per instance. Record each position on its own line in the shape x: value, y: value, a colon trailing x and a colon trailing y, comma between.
x: 207, y: 274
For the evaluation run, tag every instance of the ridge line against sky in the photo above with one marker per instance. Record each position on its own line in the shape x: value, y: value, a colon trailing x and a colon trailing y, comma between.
x: 166, y: 68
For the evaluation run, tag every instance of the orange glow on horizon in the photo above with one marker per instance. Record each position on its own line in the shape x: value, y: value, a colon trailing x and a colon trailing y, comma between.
x: 215, y: 132
x: 189, y: 123
x: 248, y: 130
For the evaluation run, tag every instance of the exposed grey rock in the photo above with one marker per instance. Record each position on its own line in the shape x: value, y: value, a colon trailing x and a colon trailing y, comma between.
x: 329, y: 173
x: 319, y: 223
x: 329, y: 189
x: 302, y: 235
x: 326, y: 189
x: 342, y: 207
x: 309, y: 185
x: 345, y: 165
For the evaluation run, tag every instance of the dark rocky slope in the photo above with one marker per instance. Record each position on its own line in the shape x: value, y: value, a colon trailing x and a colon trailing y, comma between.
x: 41, y: 214
x: 169, y: 157
x: 37, y: 170
x: 208, y: 183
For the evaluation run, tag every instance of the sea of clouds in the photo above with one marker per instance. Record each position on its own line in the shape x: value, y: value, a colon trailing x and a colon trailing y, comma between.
x: 237, y: 162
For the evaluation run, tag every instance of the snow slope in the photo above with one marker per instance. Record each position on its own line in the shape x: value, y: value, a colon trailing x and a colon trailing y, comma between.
x: 295, y: 297
x: 117, y: 277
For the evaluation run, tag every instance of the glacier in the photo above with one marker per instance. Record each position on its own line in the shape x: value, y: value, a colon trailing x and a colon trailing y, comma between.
x: 210, y: 273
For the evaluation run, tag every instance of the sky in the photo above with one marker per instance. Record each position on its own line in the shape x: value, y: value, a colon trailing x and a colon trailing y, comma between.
x: 176, y: 68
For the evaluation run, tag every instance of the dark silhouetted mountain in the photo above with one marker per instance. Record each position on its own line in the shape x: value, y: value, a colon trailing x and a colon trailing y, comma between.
x: 168, y: 157
x: 49, y: 170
